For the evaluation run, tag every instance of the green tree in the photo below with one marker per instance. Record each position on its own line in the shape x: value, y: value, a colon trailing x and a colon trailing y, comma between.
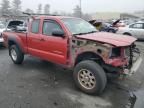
x: 16, y: 7
x: 77, y: 11
x: 5, y: 7
x: 29, y: 10
x: 39, y: 10
x: 55, y: 13
x: 87, y: 17
x: 47, y: 9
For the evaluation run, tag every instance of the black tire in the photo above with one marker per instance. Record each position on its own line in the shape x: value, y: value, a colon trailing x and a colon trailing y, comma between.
x: 98, y: 73
x: 128, y: 34
x: 111, y: 31
x: 20, y: 56
x: 140, y: 40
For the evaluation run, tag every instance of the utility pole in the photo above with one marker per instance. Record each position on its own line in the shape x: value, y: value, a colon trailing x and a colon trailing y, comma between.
x: 80, y: 9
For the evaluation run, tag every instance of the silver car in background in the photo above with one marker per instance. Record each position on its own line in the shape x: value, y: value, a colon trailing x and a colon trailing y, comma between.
x: 135, y: 29
x: 10, y: 26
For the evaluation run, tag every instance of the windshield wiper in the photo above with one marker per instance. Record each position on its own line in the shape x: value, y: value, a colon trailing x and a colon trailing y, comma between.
x: 85, y: 33
x: 79, y: 33
x: 91, y: 32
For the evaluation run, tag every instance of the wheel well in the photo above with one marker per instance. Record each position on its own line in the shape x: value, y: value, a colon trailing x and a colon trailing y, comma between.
x: 127, y: 34
x: 88, y: 56
x: 10, y: 43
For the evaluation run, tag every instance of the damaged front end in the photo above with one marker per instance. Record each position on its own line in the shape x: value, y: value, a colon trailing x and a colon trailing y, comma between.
x: 121, y: 60
x: 124, y: 60
x: 134, y: 57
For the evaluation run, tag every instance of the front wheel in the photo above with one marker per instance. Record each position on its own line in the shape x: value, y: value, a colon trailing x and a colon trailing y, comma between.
x: 90, y: 77
x: 16, y: 54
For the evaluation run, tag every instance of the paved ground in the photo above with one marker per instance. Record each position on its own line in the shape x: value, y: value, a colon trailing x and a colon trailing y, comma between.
x: 39, y: 84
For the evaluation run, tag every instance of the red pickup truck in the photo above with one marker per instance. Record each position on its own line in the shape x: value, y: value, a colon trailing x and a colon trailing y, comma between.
x: 75, y: 44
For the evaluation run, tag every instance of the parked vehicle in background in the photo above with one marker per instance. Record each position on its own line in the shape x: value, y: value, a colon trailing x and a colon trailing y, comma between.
x: 2, y: 28
x: 135, y: 29
x: 118, y: 23
x: 2, y: 22
x: 12, y: 24
x: 75, y: 44
x: 106, y: 27
x: 103, y: 26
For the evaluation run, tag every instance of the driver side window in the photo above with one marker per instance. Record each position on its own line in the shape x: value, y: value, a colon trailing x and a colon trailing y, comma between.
x: 49, y: 26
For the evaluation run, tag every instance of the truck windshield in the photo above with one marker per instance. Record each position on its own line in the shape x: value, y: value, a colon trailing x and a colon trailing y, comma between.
x: 78, y: 26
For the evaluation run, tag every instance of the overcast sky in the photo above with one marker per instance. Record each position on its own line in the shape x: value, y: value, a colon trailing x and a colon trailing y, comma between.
x: 88, y: 6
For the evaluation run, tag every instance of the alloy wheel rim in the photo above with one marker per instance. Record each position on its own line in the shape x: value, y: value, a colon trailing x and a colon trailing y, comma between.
x: 13, y: 54
x: 86, y: 79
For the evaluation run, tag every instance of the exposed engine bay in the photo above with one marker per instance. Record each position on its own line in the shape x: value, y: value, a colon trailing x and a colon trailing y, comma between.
x: 113, y: 59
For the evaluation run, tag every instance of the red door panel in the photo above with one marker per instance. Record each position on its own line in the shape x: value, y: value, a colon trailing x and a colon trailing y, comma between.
x: 55, y: 49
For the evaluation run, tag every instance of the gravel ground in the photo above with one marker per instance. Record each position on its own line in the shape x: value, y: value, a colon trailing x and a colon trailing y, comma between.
x: 40, y: 84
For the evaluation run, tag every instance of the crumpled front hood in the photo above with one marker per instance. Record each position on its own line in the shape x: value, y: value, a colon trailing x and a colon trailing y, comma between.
x: 110, y: 38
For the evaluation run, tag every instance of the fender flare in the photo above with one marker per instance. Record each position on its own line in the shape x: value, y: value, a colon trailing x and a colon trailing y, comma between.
x: 85, y: 54
x: 14, y: 41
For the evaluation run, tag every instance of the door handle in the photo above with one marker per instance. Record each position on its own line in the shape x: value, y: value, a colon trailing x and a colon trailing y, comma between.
x: 42, y: 39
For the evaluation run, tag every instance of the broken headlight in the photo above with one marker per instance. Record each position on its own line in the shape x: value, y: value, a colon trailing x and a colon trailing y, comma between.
x: 115, y: 52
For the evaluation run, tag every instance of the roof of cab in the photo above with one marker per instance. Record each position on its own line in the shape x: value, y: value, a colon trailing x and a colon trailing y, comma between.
x: 55, y: 17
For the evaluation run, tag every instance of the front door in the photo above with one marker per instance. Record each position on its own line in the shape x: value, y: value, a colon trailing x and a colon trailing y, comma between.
x: 54, y: 47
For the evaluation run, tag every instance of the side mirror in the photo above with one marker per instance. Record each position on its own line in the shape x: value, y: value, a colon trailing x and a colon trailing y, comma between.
x: 58, y: 33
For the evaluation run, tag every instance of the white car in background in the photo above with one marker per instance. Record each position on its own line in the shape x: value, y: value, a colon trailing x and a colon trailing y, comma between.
x: 11, y: 25
x: 2, y: 28
x: 135, y: 29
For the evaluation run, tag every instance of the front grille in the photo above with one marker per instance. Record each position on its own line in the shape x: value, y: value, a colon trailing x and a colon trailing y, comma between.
x: 129, y: 55
x: 127, y: 52
x: 132, y: 53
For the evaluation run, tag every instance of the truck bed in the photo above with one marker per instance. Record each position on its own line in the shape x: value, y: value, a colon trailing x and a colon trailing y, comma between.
x: 20, y: 36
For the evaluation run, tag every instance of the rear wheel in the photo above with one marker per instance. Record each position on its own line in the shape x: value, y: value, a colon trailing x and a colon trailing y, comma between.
x: 90, y: 77
x: 16, y: 54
